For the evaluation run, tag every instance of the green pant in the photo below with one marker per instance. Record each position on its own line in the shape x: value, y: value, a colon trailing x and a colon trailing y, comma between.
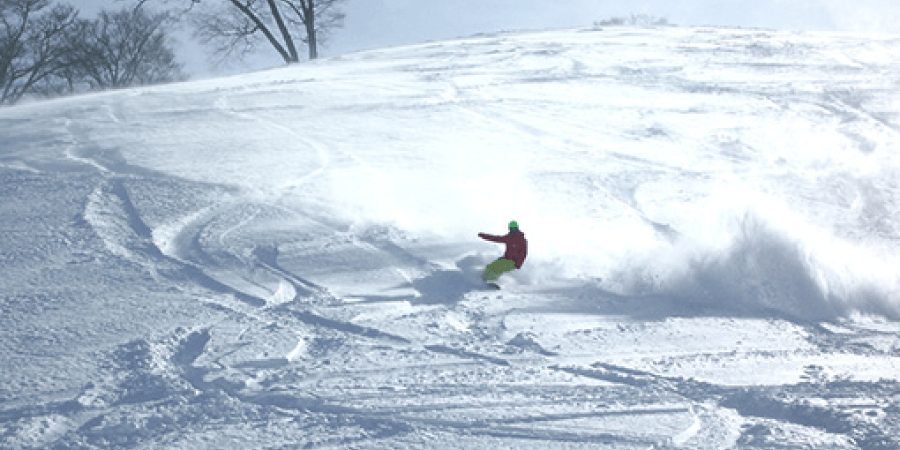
x: 493, y: 270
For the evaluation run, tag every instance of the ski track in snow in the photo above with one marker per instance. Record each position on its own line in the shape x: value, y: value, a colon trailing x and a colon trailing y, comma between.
x: 279, y: 323
x: 324, y: 159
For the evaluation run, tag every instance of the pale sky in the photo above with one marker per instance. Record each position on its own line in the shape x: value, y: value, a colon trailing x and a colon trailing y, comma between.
x: 378, y: 23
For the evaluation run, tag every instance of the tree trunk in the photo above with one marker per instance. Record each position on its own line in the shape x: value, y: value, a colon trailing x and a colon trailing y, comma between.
x: 307, y: 14
x: 309, y: 19
x: 292, y: 50
x: 265, y: 30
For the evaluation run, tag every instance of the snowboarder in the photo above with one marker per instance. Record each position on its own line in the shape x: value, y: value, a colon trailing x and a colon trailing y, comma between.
x: 516, y: 250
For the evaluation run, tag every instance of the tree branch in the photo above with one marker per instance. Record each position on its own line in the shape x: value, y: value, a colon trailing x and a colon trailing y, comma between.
x: 284, y: 31
x: 265, y: 30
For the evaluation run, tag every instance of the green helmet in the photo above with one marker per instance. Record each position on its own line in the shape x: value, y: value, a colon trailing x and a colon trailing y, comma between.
x: 513, y: 224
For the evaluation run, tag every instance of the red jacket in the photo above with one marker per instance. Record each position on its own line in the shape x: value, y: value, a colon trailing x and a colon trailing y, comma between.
x: 516, y: 246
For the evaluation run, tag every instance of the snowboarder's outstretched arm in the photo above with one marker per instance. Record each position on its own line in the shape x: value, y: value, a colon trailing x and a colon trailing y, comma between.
x: 492, y: 238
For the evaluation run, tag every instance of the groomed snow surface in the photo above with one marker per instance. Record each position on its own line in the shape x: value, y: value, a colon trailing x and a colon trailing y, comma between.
x: 288, y: 259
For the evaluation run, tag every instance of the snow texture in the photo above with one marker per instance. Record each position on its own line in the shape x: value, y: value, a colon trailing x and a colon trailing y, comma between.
x: 288, y: 259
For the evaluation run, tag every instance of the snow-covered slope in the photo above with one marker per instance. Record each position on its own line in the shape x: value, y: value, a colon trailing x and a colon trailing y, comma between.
x: 288, y: 259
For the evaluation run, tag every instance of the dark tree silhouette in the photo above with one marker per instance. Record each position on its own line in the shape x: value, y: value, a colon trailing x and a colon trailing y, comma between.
x: 237, y: 29
x: 47, y: 50
x: 34, y: 41
x: 125, y: 48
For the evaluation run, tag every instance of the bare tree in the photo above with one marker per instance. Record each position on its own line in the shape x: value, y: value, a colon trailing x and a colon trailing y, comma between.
x: 125, y: 48
x: 33, y: 45
x: 318, y: 17
x: 237, y: 29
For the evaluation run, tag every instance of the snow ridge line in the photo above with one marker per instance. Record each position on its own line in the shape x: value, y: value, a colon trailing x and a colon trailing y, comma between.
x: 347, y: 327
x: 681, y: 439
x: 181, y: 241
x: 110, y: 212
x: 113, y: 216
x: 762, y: 402
x: 466, y: 354
x: 267, y: 258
